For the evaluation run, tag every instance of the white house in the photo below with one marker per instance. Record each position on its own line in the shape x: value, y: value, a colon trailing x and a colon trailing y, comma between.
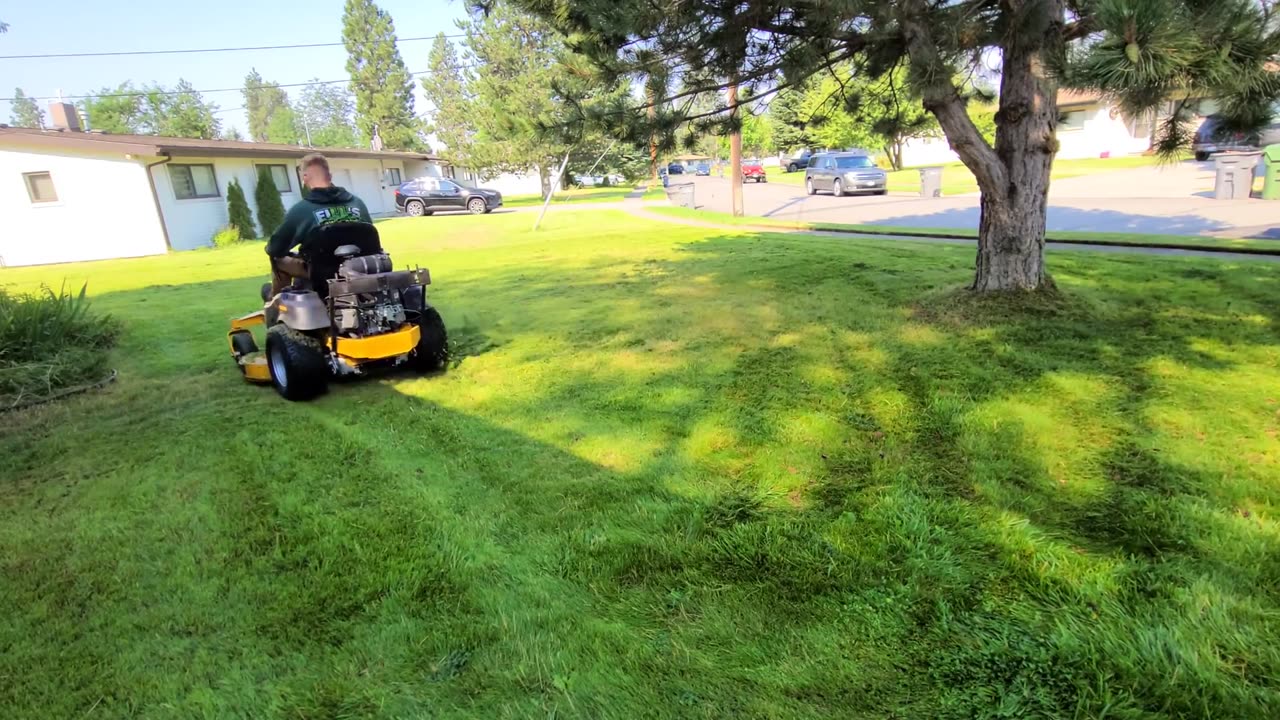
x: 67, y: 195
x: 1090, y: 127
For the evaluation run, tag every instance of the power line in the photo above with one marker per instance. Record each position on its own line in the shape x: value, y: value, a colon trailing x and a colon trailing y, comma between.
x: 144, y: 93
x: 200, y: 50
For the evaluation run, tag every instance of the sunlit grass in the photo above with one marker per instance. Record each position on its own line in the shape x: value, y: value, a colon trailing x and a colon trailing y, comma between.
x: 675, y: 473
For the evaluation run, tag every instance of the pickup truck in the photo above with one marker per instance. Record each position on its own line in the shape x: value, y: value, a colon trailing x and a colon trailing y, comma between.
x: 797, y: 163
x: 753, y: 170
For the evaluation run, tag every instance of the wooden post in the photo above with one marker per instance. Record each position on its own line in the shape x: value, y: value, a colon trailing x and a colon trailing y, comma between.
x: 735, y: 151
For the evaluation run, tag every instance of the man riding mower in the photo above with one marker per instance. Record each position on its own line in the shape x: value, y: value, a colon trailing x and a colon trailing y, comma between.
x: 354, y: 314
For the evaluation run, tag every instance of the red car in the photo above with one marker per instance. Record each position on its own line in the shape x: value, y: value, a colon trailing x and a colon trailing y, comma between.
x: 753, y: 170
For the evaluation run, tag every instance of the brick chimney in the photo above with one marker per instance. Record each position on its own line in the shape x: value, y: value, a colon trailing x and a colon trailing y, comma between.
x: 63, y: 116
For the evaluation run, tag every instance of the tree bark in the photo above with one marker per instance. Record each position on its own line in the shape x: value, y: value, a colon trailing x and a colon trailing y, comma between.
x: 653, y: 139
x: 735, y: 153
x: 1014, y: 175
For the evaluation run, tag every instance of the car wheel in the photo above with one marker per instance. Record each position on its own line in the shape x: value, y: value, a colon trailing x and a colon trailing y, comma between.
x: 808, y: 186
x: 1202, y: 156
x: 415, y: 208
x: 299, y: 368
x: 792, y: 167
x: 476, y: 206
x: 837, y: 188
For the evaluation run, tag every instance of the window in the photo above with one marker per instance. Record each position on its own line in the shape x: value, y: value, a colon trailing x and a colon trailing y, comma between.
x: 1073, y: 120
x: 448, y: 186
x: 858, y: 161
x: 393, y: 176
x: 813, y: 161
x: 427, y: 184
x: 40, y: 187
x: 279, y: 177
x: 193, y: 181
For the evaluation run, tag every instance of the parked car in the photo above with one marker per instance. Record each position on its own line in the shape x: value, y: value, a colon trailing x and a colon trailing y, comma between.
x: 801, y: 160
x: 1212, y: 138
x: 844, y: 172
x: 702, y: 169
x: 753, y: 170
x: 675, y: 169
x: 427, y: 195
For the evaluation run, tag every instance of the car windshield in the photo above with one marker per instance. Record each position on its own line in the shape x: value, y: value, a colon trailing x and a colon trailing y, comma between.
x: 858, y: 161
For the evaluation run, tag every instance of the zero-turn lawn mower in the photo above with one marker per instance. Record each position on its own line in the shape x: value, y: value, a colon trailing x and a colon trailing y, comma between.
x: 355, y: 315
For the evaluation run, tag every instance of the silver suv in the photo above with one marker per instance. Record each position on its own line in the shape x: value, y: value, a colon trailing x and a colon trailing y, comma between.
x: 844, y: 173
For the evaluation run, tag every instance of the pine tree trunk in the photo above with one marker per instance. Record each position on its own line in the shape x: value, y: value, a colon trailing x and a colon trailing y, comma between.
x: 735, y: 154
x: 1011, y: 241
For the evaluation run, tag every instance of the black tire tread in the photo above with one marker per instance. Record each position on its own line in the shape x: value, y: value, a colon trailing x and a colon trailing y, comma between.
x: 432, y: 354
x: 308, y: 367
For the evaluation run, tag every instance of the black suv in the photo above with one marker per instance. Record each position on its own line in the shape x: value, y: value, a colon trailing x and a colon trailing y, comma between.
x: 799, y: 162
x: 426, y: 195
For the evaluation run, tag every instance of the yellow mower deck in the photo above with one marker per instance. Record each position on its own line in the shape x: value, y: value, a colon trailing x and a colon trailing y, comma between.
x: 354, y: 351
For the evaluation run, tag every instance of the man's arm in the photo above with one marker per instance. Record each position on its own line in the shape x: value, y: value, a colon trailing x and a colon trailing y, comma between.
x: 285, y: 236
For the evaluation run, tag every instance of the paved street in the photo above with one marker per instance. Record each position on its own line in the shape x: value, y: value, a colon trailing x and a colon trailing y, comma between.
x: 1170, y: 200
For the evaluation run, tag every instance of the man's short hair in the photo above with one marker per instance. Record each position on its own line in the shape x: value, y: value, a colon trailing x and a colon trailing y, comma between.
x: 316, y: 159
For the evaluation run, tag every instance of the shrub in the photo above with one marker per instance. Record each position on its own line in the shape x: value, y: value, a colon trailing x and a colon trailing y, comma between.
x: 238, y: 215
x: 270, y: 209
x: 229, y: 235
x: 49, y: 341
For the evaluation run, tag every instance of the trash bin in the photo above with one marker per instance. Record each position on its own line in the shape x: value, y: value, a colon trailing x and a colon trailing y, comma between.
x: 930, y: 182
x: 1234, y: 179
x: 1271, y: 176
x: 681, y: 195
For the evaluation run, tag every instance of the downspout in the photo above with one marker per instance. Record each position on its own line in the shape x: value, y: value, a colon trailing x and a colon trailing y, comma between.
x: 155, y: 198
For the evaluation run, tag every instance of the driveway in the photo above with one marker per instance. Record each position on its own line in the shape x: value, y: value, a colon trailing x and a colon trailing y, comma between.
x: 1163, y: 200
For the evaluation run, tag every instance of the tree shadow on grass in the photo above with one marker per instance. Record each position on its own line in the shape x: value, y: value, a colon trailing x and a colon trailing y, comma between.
x: 688, y: 482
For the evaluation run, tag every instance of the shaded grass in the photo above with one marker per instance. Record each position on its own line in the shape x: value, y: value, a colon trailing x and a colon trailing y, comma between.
x: 1103, y: 238
x: 677, y: 473
x: 957, y: 180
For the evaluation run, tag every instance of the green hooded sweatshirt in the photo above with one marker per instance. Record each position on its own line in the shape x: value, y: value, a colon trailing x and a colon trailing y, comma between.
x: 320, y: 206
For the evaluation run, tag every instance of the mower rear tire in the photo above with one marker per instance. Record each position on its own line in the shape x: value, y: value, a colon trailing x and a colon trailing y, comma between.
x: 432, y: 353
x: 299, y: 367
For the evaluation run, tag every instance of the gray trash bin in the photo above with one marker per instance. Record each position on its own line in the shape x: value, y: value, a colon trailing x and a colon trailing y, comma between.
x: 930, y: 182
x: 681, y: 195
x: 1234, y: 179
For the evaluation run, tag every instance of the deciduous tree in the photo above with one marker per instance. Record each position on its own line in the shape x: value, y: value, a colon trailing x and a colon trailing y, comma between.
x: 326, y: 113
x: 25, y: 111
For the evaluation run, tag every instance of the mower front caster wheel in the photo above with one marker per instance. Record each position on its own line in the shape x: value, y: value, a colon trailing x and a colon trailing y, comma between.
x: 299, y: 368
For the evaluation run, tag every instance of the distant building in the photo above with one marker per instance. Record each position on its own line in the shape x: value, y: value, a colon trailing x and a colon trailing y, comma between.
x: 67, y: 195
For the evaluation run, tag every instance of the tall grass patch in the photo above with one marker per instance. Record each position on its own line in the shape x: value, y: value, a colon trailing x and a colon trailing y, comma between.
x: 50, y: 340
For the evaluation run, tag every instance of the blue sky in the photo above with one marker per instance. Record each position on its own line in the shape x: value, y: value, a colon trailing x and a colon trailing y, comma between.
x: 83, y: 26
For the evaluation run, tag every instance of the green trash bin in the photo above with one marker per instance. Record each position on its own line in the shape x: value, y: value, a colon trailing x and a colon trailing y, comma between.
x: 1271, y: 181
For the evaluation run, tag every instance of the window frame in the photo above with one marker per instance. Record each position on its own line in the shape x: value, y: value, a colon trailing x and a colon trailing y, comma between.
x: 26, y: 180
x: 284, y: 170
x: 399, y: 178
x: 217, y: 189
x: 1084, y: 118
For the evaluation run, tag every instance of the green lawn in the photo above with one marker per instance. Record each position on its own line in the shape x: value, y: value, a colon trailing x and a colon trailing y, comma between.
x: 1191, y: 242
x: 675, y: 473
x: 957, y: 180
x: 591, y: 194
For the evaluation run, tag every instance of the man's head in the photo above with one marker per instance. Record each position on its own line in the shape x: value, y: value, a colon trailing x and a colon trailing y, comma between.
x: 315, y: 171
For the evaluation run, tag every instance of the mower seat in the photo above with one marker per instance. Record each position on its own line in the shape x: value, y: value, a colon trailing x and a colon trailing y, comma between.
x: 322, y: 250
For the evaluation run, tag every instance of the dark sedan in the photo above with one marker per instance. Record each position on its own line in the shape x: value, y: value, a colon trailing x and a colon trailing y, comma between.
x: 675, y: 169
x: 428, y: 195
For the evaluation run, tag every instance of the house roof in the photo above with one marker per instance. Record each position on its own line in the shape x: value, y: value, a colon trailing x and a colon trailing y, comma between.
x: 1078, y: 97
x: 183, y: 147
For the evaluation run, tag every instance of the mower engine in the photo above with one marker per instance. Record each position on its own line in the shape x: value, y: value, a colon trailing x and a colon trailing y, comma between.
x: 368, y: 313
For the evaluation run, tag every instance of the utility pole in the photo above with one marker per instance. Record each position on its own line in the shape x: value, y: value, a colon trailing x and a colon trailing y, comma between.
x: 735, y: 150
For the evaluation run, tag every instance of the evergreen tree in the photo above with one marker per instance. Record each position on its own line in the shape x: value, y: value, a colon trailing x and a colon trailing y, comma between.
x: 791, y: 124
x: 115, y: 110
x: 326, y: 113
x: 26, y: 113
x: 267, y: 196
x: 447, y: 87
x: 379, y: 79
x: 1144, y: 53
x: 263, y: 102
x: 232, y: 133
x: 238, y: 214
